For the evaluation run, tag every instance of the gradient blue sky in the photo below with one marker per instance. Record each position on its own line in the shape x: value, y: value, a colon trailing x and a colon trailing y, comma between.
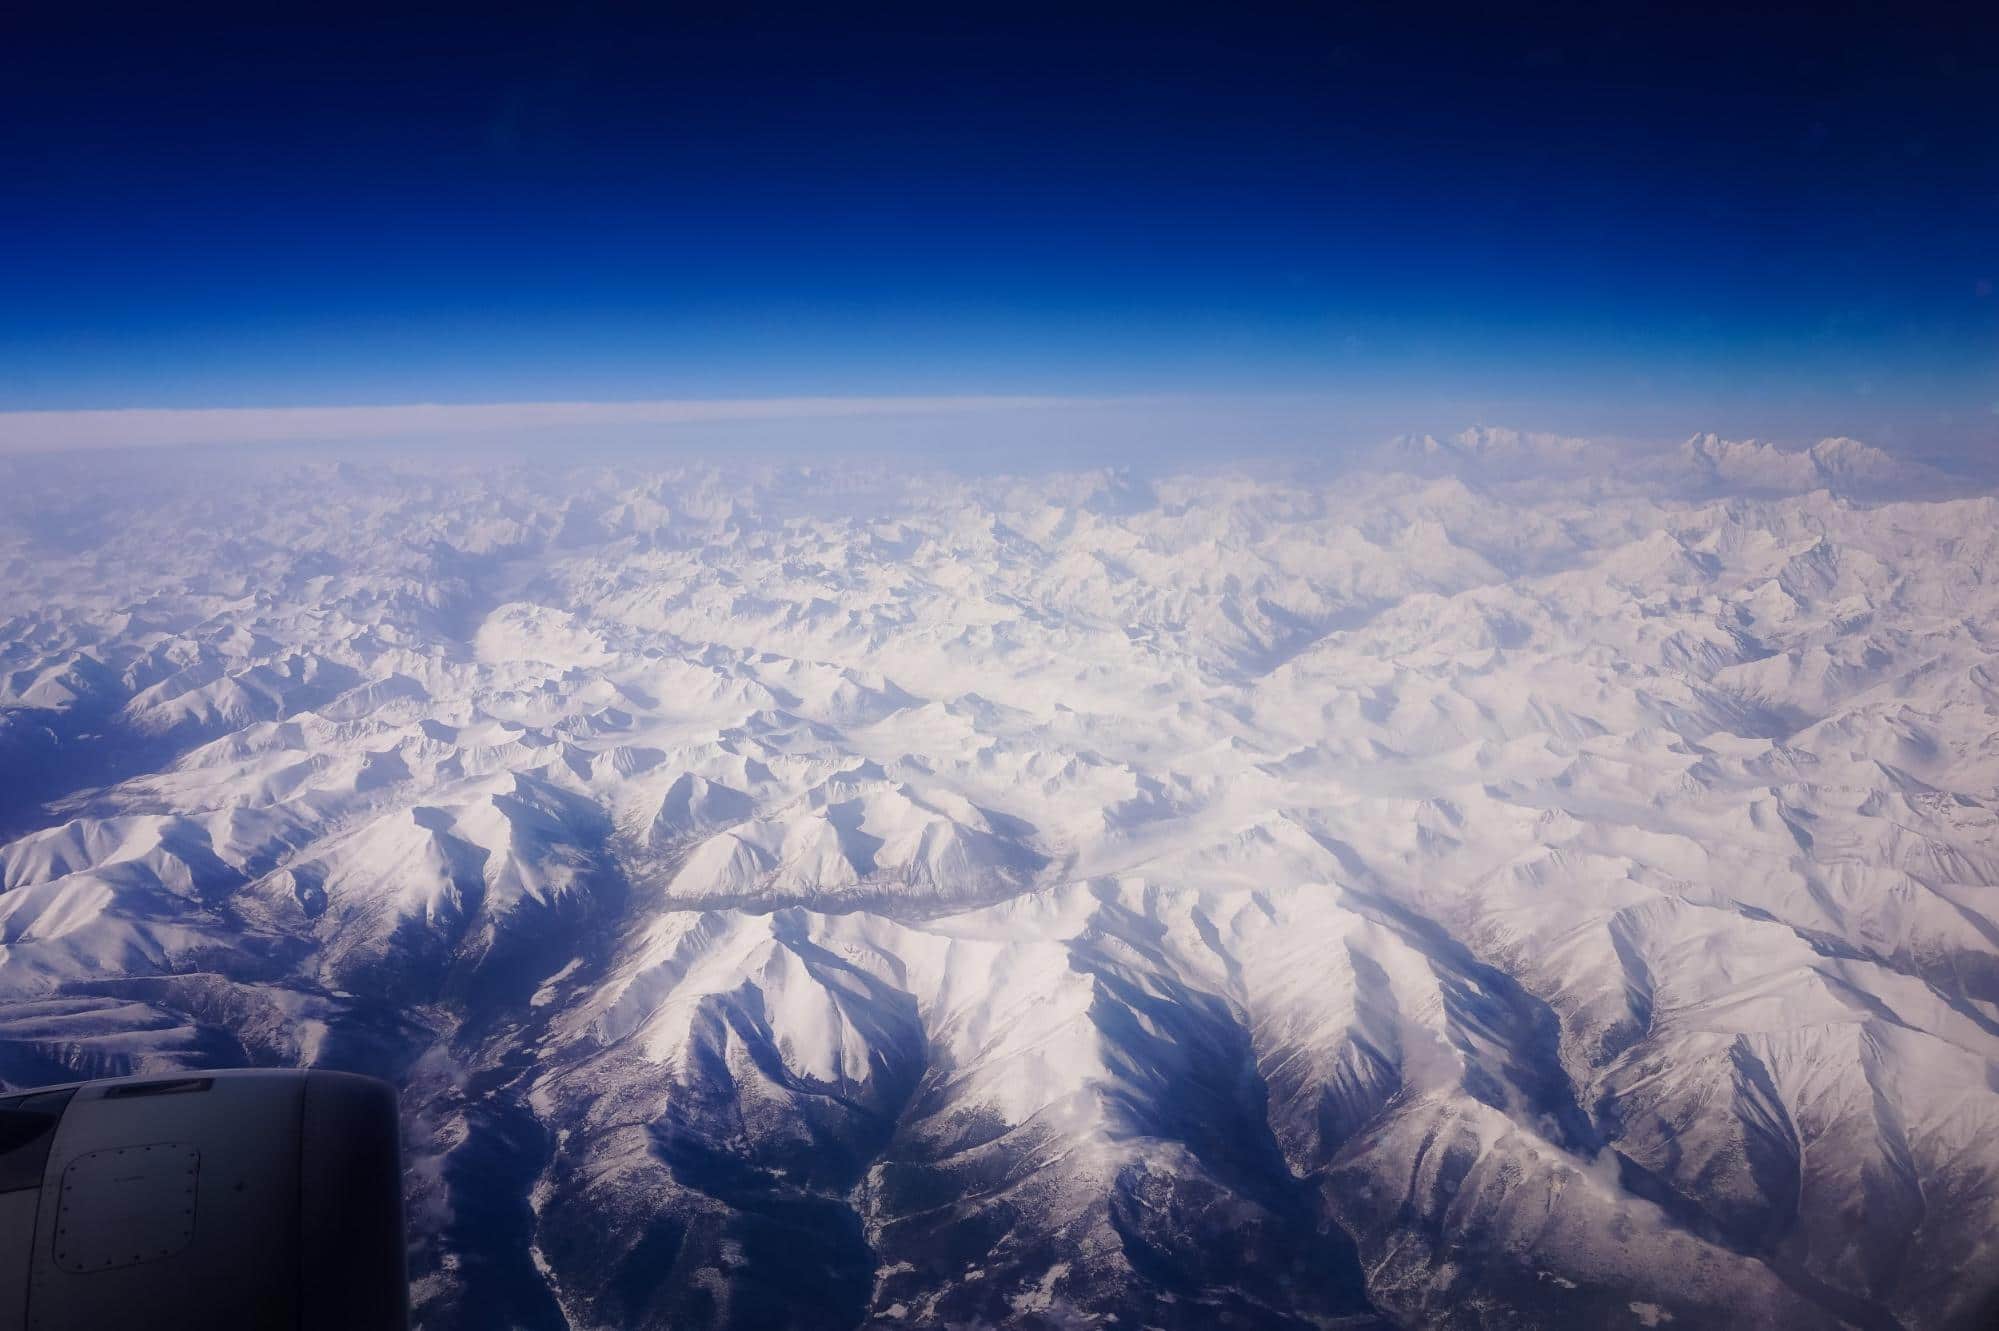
x: 1608, y: 218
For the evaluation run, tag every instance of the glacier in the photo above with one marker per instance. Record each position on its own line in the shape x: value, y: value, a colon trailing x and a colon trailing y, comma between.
x: 1496, y: 881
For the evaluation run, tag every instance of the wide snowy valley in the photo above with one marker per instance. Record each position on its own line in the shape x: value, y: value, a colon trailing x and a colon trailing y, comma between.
x: 1505, y: 881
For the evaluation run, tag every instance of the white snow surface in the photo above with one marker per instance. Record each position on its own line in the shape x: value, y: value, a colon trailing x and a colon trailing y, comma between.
x: 1560, y: 883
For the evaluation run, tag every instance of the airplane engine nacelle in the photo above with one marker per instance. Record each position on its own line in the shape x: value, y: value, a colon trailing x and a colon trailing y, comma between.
x: 253, y: 1199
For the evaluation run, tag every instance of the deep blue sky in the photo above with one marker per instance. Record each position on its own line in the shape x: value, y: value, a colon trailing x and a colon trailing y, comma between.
x: 1605, y: 219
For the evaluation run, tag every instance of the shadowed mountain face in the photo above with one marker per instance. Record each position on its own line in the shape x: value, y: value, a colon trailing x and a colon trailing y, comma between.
x: 1506, y: 884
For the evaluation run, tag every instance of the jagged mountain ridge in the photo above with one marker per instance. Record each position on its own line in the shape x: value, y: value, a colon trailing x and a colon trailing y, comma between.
x: 1495, y: 885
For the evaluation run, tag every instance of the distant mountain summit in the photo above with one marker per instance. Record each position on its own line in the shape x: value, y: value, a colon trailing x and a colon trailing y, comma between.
x: 1704, y: 464
x: 1841, y: 465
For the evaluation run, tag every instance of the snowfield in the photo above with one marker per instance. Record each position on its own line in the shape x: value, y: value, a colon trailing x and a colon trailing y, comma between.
x: 1508, y: 881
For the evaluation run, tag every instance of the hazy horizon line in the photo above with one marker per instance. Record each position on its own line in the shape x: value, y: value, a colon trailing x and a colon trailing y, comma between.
x: 66, y: 430
x: 1159, y: 427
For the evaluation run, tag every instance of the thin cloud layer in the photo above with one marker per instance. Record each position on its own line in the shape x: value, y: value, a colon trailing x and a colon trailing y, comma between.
x: 68, y: 431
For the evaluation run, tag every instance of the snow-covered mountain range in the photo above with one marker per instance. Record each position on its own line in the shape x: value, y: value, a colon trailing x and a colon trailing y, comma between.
x: 1508, y: 882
